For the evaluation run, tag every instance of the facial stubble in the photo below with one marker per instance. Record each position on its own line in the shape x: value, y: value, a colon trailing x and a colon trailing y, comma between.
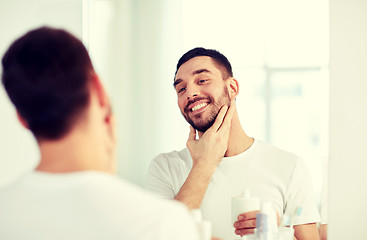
x: 202, y: 126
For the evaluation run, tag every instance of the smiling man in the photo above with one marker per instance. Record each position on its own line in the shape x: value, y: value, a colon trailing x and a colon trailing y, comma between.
x: 222, y: 160
x: 194, y: 108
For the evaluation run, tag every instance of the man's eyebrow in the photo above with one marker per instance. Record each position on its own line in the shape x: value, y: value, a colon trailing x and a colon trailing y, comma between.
x: 177, y: 82
x: 200, y: 71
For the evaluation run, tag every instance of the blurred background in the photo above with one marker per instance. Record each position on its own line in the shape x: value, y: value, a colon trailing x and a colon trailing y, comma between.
x: 278, y: 50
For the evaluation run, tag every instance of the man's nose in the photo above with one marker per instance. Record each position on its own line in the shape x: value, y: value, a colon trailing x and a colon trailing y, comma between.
x: 191, y: 92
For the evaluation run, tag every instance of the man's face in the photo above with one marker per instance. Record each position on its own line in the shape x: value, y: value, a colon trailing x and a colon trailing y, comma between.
x: 201, y: 92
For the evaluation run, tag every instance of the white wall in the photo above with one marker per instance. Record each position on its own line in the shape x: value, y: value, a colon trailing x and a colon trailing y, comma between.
x: 348, y: 120
x: 18, y: 150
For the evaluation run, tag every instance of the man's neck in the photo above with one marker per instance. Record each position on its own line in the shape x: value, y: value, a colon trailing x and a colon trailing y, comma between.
x: 238, y: 140
x: 74, y: 152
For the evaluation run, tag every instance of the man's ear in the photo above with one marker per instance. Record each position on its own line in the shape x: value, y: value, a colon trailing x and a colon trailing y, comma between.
x: 100, y: 91
x: 233, y: 87
x: 22, y: 120
x: 103, y: 99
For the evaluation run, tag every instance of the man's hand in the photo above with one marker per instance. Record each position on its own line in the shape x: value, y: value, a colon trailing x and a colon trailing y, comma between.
x: 209, y: 150
x: 246, y: 223
x: 206, y: 153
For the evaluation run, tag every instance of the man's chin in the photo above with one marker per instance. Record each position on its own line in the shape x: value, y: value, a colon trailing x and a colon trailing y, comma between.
x: 202, y: 127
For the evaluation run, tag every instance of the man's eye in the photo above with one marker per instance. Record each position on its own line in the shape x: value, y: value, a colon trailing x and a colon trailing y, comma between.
x: 181, y: 90
x: 202, y: 81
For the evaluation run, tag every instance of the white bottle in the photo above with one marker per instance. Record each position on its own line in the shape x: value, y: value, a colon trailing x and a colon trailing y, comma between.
x: 204, y: 227
x: 242, y: 204
x: 266, y: 223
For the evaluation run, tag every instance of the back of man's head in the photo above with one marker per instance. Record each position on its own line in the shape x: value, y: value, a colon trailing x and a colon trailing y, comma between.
x: 46, y: 74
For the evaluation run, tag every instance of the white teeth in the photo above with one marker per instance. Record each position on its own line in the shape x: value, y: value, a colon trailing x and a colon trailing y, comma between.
x: 198, y: 106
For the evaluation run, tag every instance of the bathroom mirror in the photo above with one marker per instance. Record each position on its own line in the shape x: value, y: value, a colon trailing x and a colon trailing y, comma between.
x: 279, y: 55
x: 278, y: 50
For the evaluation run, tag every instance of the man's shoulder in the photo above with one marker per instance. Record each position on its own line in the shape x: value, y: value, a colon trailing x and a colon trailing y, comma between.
x: 275, y: 153
x: 173, y: 157
x: 171, y: 165
x: 271, y: 147
x: 112, y: 199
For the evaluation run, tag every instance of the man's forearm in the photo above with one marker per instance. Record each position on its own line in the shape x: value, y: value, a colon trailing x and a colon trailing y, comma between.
x: 193, y: 190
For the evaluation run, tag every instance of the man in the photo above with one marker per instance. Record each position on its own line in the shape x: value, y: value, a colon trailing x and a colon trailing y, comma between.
x: 72, y: 194
x: 218, y: 166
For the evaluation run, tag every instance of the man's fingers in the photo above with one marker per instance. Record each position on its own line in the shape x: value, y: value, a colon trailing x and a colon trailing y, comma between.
x: 242, y: 232
x: 192, y: 134
x: 228, y: 117
x: 219, y: 119
x: 245, y: 224
x: 247, y: 215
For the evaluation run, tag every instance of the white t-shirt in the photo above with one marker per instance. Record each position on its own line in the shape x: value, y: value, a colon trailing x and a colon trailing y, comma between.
x: 88, y: 205
x: 268, y: 172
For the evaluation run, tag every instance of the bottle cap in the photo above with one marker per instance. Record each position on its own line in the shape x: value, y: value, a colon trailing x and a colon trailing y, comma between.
x: 245, y: 193
x: 196, y: 214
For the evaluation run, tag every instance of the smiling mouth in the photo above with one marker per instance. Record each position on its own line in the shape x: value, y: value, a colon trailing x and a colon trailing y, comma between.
x: 199, y: 106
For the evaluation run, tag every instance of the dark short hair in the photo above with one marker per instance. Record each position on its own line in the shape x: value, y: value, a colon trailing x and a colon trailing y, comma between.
x: 219, y: 58
x: 46, y: 74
